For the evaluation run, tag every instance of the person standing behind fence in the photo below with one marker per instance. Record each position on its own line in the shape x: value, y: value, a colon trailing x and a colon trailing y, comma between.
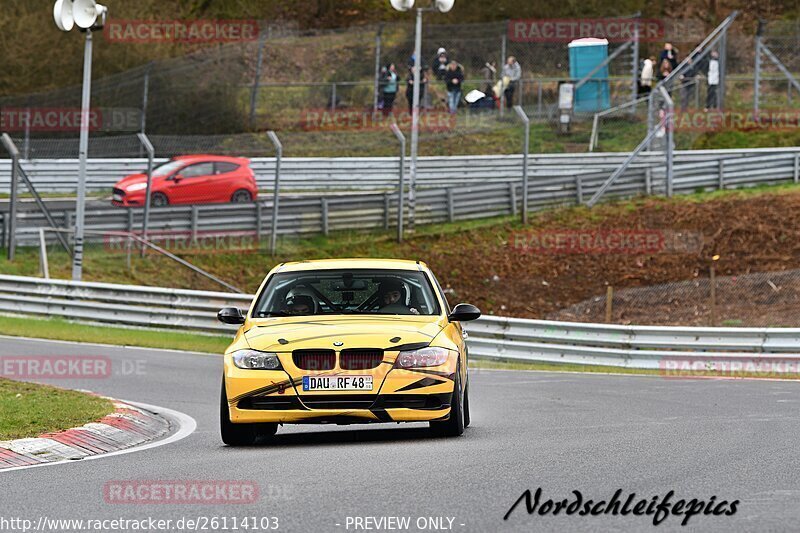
x: 454, y: 79
x: 440, y: 63
x: 688, y: 83
x: 648, y: 73
x: 670, y: 54
x: 423, y: 83
x: 513, y: 71
x: 712, y: 96
x: 389, y: 89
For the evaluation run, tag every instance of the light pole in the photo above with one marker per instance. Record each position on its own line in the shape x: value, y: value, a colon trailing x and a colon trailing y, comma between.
x: 442, y: 6
x: 88, y: 15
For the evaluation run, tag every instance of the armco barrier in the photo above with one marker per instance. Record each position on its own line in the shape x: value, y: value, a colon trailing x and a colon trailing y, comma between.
x: 489, y: 337
x: 380, y: 173
x: 304, y: 215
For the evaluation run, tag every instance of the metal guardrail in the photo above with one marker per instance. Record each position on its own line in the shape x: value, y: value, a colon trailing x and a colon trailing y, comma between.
x: 371, y: 173
x: 308, y: 215
x: 489, y: 337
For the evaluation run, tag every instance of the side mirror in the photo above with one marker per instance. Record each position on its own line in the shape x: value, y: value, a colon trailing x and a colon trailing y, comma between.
x: 464, y: 313
x: 230, y: 315
x: 177, y: 178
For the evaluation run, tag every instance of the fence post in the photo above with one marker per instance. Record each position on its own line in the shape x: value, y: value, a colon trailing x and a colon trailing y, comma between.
x: 273, y: 237
x: 635, y: 68
x: 539, y: 99
x: 579, y: 188
x: 325, y: 221
x: 148, y: 146
x: 401, y: 184
x: 757, y: 70
x: 721, y: 173
x: 525, y: 150
x: 512, y: 193
x: 797, y: 168
x: 609, y: 303
x: 503, y: 44
x: 43, y: 265
x: 195, y: 221
x: 333, y: 98
x: 386, y: 206
x: 451, y: 208
x: 648, y: 181
x: 670, y: 137
x: 145, y: 97
x: 377, y: 68
x: 713, y: 303
x: 259, y: 222
x: 12, y: 205
x: 257, y: 78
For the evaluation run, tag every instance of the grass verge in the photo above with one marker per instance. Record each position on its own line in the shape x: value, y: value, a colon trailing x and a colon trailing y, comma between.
x: 29, y: 409
x: 65, y: 330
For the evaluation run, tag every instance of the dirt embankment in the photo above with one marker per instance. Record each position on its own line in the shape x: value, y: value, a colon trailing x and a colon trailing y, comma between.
x: 749, y: 233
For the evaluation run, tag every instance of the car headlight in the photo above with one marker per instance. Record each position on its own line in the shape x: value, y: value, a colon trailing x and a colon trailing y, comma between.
x: 136, y: 187
x: 430, y: 356
x: 255, y: 360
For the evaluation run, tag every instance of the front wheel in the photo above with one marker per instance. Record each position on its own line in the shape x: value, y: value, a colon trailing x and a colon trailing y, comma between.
x: 158, y: 199
x: 240, y: 434
x: 454, y: 425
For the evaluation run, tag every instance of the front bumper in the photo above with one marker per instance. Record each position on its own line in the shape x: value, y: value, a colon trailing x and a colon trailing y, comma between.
x: 400, y: 395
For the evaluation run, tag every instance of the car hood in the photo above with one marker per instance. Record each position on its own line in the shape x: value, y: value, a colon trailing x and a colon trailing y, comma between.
x: 285, y: 334
x: 133, y: 179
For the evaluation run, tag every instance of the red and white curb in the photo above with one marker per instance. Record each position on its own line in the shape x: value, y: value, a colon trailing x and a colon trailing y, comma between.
x: 128, y: 426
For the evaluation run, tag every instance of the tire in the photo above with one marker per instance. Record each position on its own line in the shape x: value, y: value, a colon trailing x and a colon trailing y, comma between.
x: 466, y: 406
x: 241, y: 196
x: 158, y: 199
x: 240, y: 434
x: 454, y: 425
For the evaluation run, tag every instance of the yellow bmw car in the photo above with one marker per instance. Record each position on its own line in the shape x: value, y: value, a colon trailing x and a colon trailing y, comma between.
x: 345, y: 341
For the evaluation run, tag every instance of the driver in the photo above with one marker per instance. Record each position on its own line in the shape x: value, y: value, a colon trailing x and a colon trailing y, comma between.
x: 390, y: 295
x: 299, y: 304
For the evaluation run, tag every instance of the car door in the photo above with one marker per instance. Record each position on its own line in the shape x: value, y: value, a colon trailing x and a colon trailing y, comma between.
x: 191, y: 184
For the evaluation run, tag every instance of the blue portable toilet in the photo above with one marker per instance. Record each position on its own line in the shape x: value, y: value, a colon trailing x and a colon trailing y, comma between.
x: 584, y: 56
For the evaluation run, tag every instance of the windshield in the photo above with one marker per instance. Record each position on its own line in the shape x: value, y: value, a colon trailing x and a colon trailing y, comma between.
x: 321, y: 292
x: 167, y: 168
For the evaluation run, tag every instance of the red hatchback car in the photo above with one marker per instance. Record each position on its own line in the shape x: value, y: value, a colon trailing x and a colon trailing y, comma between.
x: 190, y: 179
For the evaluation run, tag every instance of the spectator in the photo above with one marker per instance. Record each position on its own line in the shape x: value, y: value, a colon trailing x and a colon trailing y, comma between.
x: 423, y: 79
x: 712, y: 96
x: 389, y: 89
x: 648, y: 73
x: 454, y: 79
x: 440, y: 63
x: 688, y: 83
x: 489, y: 72
x: 381, y: 85
x: 670, y: 54
x: 664, y: 69
x: 513, y: 71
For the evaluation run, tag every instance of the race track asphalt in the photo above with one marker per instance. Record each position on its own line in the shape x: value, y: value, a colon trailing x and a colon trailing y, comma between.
x: 736, y: 440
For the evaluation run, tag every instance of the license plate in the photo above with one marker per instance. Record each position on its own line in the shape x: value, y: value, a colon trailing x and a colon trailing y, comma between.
x: 117, y: 197
x: 312, y: 383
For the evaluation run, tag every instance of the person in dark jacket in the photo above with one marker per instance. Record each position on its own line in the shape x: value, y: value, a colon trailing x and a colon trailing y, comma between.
x: 670, y: 54
x: 454, y: 79
x: 423, y: 83
x: 440, y: 63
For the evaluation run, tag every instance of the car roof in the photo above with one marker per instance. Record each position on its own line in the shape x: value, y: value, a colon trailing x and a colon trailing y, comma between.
x: 353, y: 263
x: 196, y: 158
